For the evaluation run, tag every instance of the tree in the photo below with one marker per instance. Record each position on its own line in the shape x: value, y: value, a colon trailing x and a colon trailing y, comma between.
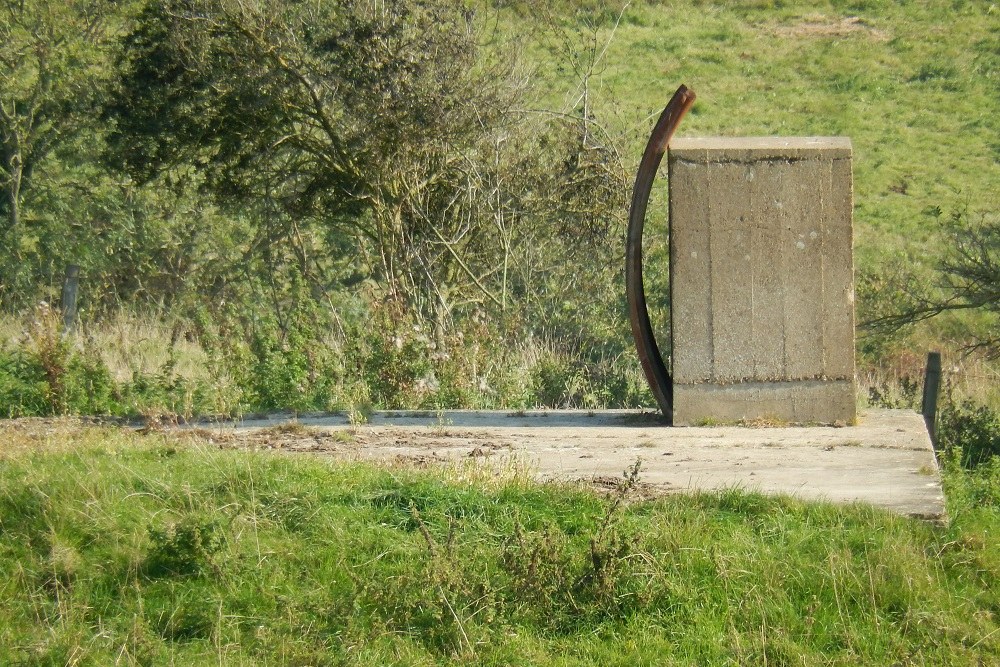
x: 383, y: 122
x: 969, y: 280
x: 54, y: 64
x: 57, y: 203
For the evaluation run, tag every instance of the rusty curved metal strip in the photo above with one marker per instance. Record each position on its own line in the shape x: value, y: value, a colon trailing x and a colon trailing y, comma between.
x: 645, y: 342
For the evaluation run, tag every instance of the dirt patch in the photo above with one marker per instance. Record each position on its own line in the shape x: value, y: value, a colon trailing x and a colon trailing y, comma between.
x: 418, y: 445
x: 825, y: 26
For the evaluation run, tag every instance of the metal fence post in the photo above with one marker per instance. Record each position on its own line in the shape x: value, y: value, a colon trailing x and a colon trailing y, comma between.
x: 932, y: 386
x: 71, y: 286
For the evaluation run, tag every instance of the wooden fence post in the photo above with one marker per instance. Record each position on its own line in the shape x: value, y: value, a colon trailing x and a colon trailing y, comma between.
x: 71, y: 286
x: 932, y: 386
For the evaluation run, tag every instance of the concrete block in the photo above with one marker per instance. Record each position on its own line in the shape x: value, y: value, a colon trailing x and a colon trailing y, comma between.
x: 762, y: 279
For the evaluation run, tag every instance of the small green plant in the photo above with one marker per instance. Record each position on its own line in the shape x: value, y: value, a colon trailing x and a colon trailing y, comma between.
x: 183, y: 547
x: 358, y: 414
x: 611, y: 546
x: 902, y: 393
x: 48, y: 375
x: 51, y: 350
x: 23, y: 387
x: 972, y: 489
x: 560, y: 576
x: 442, y: 421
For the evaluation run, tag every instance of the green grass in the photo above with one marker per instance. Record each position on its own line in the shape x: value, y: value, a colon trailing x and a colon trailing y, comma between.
x: 913, y: 84
x: 118, y: 548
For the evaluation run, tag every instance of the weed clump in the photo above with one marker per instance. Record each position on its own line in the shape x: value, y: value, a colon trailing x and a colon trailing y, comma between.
x: 183, y: 548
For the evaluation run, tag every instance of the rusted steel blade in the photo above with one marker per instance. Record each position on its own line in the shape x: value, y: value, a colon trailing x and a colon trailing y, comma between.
x: 645, y: 342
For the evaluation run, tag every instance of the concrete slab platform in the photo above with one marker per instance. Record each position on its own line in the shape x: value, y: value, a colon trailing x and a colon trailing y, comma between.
x: 886, y: 460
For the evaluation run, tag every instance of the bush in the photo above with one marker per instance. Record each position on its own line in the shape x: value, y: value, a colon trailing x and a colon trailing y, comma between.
x: 47, y: 372
x: 969, y: 432
x: 88, y: 387
x: 23, y: 388
x: 395, y: 369
x: 45, y: 375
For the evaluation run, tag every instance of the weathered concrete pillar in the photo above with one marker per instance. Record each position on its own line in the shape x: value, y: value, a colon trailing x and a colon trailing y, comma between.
x: 762, y: 279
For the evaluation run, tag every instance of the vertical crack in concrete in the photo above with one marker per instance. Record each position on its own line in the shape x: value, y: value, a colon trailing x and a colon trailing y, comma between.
x: 711, y: 273
x: 826, y: 190
x: 754, y: 351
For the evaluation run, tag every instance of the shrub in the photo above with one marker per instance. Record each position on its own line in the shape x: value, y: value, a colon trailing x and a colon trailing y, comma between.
x: 969, y: 432
x: 88, y: 387
x: 46, y: 375
x: 23, y: 388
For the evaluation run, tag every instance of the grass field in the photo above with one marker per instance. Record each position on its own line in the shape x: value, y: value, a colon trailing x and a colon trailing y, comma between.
x: 914, y: 85
x: 119, y: 548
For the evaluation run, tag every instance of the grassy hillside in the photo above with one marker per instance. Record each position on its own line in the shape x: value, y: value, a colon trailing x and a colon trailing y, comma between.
x: 125, y: 549
x: 914, y: 85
